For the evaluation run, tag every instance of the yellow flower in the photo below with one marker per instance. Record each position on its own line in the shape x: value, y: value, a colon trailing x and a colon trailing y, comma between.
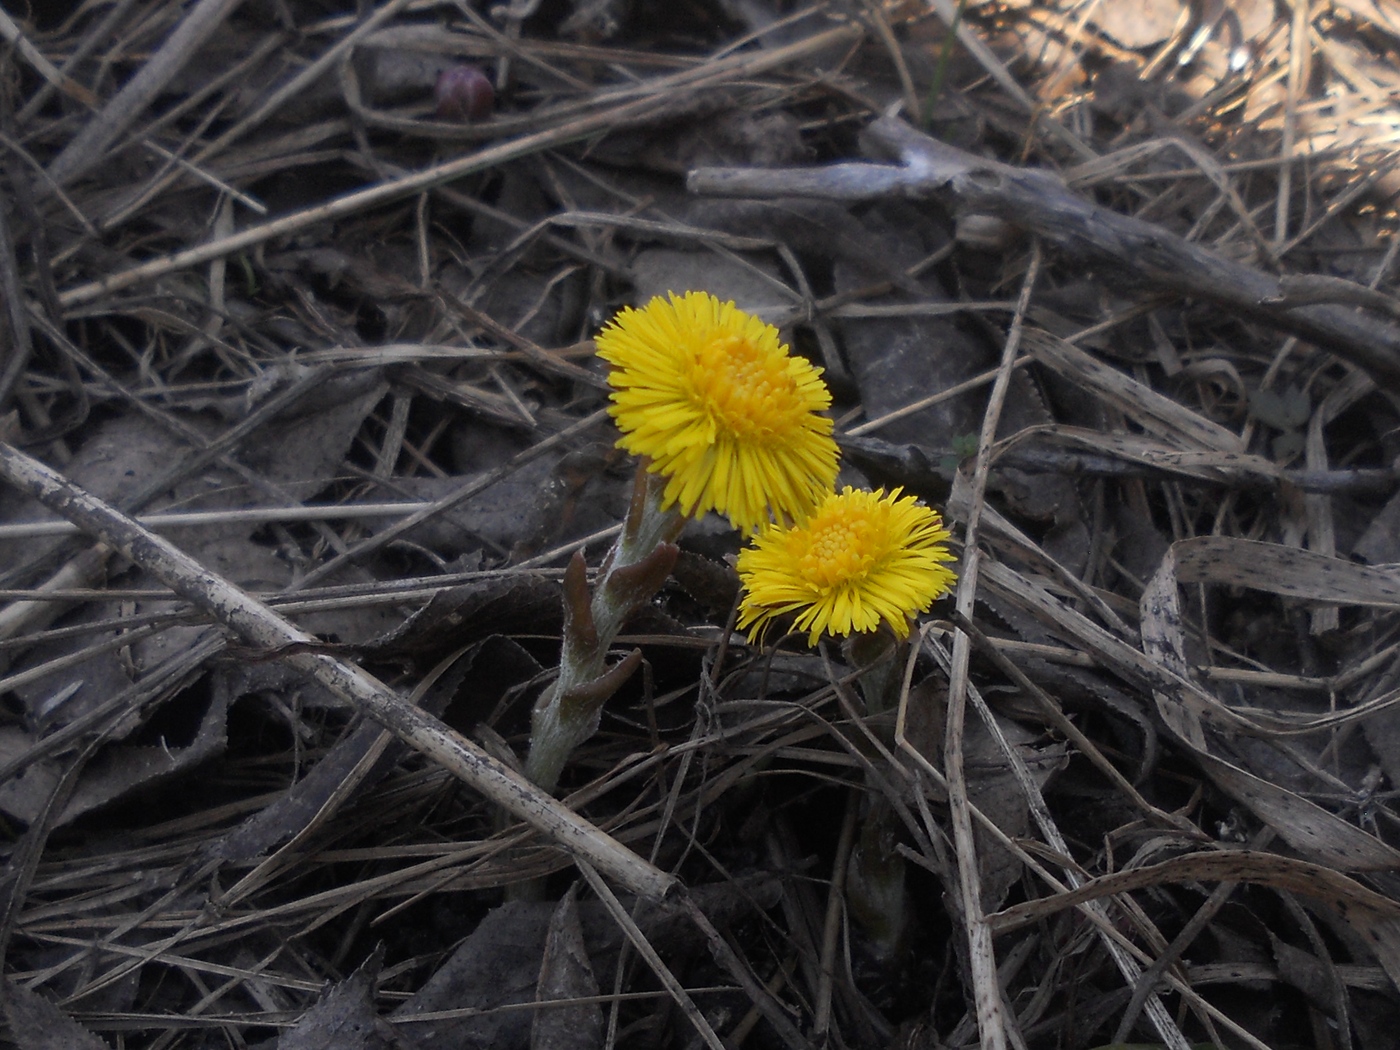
x: 721, y: 408
x: 862, y: 557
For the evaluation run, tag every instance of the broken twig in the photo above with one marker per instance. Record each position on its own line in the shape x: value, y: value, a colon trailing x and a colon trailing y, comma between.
x: 255, y: 623
x: 1128, y: 250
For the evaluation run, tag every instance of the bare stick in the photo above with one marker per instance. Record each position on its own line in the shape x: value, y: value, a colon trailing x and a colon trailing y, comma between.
x: 258, y: 625
x: 1129, y: 250
x: 993, y: 1025
x: 656, y: 99
x: 90, y: 144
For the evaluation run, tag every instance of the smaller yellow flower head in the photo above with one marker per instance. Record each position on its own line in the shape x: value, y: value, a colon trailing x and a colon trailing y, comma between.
x: 861, y: 558
x: 722, y: 409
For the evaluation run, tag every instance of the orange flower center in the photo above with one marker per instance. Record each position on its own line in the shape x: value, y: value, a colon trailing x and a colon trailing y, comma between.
x: 747, y: 392
x: 842, y: 545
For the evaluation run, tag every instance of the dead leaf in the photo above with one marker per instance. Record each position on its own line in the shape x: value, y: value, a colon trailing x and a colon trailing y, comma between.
x: 992, y: 785
x: 1307, y: 827
x: 1156, y: 413
x: 1287, y: 571
x: 498, y: 964
x: 1380, y: 543
x: 898, y: 360
x: 750, y: 279
x: 296, y: 454
x: 123, y: 454
x: 993, y: 788
x: 455, y: 616
x: 359, y: 760
x: 37, y: 1024
x: 344, y: 1018
x: 1374, y: 917
x: 116, y: 770
x: 566, y: 973
x: 542, y: 502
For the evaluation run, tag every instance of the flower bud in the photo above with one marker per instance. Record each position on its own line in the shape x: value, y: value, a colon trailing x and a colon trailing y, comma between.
x: 464, y: 93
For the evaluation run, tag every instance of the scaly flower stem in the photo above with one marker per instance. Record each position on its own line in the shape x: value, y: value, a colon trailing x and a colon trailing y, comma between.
x: 875, y: 889
x: 567, y: 712
x: 878, y: 658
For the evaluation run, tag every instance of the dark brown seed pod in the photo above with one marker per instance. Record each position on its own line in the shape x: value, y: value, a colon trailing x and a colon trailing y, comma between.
x: 464, y: 93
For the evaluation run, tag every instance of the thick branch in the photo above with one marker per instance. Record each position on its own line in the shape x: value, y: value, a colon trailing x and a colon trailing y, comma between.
x: 258, y: 625
x: 1125, y: 249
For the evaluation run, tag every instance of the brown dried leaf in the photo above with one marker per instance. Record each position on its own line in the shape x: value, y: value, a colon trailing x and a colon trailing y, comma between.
x: 344, y: 1017
x: 457, y: 615
x: 37, y: 1024
x: 1306, y: 827
x: 993, y: 788
x: 537, y: 504
x: 121, y: 455
x: 497, y: 965
x: 566, y: 973
x: 1154, y: 412
x: 115, y: 771
x: 296, y: 454
x: 1375, y: 917
x: 1287, y: 571
x: 749, y: 279
x: 359, y: 759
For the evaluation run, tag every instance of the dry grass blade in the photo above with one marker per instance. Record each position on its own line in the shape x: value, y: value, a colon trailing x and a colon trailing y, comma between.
x: 261, y: 627
x: 1117, y: 296
x: 1155, y: 413
x: 644, y: 948
x: 1285, y: 570
x: 992, y: 1023
x: 1369, y: 909
x: 88, y: 146
x: 640, y: 103
x: 1038, y: 203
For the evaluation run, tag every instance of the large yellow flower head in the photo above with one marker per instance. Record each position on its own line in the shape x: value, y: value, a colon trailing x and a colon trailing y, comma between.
x: 721, y: 408
x: 859, y: 559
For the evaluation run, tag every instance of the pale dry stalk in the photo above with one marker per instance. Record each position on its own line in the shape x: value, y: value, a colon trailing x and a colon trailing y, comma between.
x: 259, y: 626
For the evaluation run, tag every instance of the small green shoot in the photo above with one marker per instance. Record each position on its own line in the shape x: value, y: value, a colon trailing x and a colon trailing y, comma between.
x: 940, y: 71
x: 962, y: 446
